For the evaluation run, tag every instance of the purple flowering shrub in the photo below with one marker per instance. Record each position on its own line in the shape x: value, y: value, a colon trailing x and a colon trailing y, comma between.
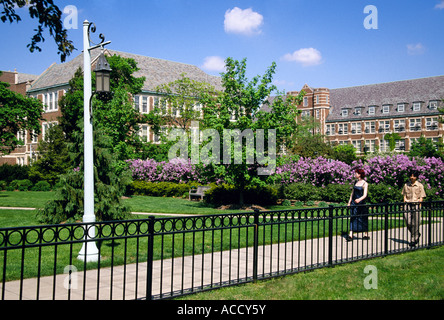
x: 394, y: 170
x: 319, y: 172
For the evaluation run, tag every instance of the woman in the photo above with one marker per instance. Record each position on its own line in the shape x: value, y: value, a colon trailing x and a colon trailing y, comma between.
x: 358, y: 210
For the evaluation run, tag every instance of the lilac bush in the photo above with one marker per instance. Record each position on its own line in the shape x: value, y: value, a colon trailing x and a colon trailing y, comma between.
x: 319, y: 172
x: 393, y: 170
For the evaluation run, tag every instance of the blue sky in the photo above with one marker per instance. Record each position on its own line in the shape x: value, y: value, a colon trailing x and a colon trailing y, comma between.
x: 318, y: 42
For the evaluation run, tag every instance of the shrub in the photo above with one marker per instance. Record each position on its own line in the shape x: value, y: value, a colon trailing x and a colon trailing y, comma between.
x: 228, y: 194
x: 21, y: 185
x: 3, y: 185
x: 300, y: 191
x: 10, y: 173
x: 160, y: 189
x: 383, y: 193
x: 41, y: 186
x: 336, y: 192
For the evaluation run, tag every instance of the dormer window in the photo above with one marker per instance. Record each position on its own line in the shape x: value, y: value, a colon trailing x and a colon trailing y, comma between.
x: 433, y: 105
x: 344, y: 112
x: 358, y: 111
x: 416, y: 106
x: 385, y: 108
x: 401, y: 107
x: 371, y: 110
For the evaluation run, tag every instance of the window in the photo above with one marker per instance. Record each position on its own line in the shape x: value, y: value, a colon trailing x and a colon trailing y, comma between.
x: 344, y: 112
x: 399, y: 125
x: 356, y: 127
x: 370, y: 146
x: 401, y: 107
x: 370, y: 127
x: 358, y: 111
x: 371, y: 110
x: 21, y: 135
x: 34, y: 137
x: 384, y: 126
x: 46, y: 126
x: 384, y: 145
x: 432, y: 123
x: 144, y: 104
x: 343, y: 128
x: 305, y: 101
x: 400, y: 145
x: 415, y: 124
x: 385, y: 108
x: 305, y: 114
x: 416, y: 106
x: 358, y: 145
x: 318, y: 113
x: 137, y: 103
x: 330, y: 130
x: 433, y: 105
x: 144, y: 132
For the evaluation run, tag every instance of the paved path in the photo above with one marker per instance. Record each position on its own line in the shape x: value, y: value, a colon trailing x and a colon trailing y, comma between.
x: 129, y: 282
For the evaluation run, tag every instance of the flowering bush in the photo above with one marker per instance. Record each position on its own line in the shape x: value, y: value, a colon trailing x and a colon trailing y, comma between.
x: 394, y: 170
x: 318, y: 172
x: 391, y: 171
x: 176, y: 170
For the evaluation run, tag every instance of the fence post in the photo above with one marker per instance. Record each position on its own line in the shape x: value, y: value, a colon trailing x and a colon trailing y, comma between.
x: 428, y: 206
x: 150, y: 258
x: 256, y: 243
x: 386, y: 228
x: 330, y: 235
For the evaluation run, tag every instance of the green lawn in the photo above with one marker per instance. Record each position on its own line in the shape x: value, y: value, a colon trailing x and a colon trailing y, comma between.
x: 414, y: 275
x: 146, y: 204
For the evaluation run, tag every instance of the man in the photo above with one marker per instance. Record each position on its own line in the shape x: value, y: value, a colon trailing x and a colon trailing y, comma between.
x: 413, y: 193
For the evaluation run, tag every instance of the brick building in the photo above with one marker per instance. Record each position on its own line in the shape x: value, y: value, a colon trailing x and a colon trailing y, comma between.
x: 359, y: 115
x: 363, y: 115
x: 20, y: 83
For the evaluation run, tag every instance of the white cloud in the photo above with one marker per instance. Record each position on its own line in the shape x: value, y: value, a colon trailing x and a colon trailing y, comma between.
x: 214, y: 63
x: 415, y: 49
x: 245, y: 22
x: 440, y: 5
x: 305, y: 56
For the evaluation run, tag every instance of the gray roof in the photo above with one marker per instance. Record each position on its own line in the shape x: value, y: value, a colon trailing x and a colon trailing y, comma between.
x: 408, y: 91
x: 25, y: 77
x: 156, y: 71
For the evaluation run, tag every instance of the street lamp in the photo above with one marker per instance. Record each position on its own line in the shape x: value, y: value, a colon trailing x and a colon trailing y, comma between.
x: 89, y: 251
x: 103, y: 73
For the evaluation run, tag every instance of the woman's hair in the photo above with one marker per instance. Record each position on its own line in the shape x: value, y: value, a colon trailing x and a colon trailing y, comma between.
x: 361, y: 172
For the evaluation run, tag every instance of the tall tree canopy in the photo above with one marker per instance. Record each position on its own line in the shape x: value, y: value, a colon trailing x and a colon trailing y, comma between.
x: 48, y: 15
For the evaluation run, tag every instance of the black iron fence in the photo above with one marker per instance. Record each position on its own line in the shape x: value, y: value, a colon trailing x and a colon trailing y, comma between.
x: 158, y: 258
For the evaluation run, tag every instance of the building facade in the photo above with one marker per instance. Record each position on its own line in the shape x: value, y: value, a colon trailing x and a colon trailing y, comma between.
x: 361, y: 115
x: 364, y: 115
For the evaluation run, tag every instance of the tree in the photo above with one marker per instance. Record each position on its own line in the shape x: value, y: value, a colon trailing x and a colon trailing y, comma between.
x: 54, y: 159
x: 392, y: 138
x: 345, y: 153
x: 426, y: 148
x: 179, y: 104
x: 48, y: 16
x: 236, y: 110
x: 17, y: 114
x: 115, y: 125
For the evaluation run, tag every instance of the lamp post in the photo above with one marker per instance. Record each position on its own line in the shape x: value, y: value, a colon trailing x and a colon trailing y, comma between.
x: 89, y: 251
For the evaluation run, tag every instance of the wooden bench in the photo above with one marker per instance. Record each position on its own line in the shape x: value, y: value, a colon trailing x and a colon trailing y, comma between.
x: 199, y: 192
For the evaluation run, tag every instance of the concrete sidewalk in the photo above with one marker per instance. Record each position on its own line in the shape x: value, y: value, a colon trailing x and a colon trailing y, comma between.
x: 178, y: 274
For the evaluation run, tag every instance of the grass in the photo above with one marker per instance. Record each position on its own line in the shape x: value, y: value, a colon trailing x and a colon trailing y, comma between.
x: 409, y: 276
x: 146, y: 204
